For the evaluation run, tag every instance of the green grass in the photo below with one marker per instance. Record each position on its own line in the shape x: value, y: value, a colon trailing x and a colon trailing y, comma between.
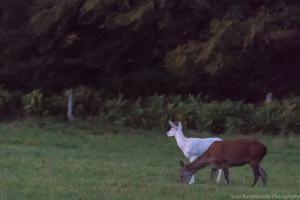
x: 57, y: 161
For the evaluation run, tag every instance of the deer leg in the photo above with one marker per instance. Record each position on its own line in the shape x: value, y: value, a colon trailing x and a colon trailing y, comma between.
x: 192, y: 181
x: 213, y: 173
x: 255, y: 169
x: 263, y: 175
x: 226, y: 174
x: 200, y: 166
x: 219, y: 176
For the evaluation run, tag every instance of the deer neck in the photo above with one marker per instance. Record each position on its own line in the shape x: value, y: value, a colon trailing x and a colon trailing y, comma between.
x: 181, y: 140
x: 194, y: 166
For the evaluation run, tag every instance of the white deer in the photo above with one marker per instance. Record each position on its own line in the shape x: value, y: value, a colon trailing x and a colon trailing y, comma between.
x: 192, y: 148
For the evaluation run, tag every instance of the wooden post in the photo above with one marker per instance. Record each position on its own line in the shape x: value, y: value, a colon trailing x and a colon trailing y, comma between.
x: 269, y: 98
x: 69, y: 94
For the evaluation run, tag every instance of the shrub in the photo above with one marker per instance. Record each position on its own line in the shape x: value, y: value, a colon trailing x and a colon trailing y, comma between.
x: 32, y: 103
x: 5, y: 98
x: 87, y: 101
x: 9, y: 103
x: 55, y: 105
x: 278, y: 117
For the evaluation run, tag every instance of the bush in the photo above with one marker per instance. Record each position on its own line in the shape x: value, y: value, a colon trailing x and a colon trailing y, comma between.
x: 5, y: 98
x: 32, y: 103
x: 55, y: 105
x: 9, y: 103
x: 278, y: 117
x: 87, y: 101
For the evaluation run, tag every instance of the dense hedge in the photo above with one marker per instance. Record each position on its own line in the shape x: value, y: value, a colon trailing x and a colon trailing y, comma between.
x: 278, y: 117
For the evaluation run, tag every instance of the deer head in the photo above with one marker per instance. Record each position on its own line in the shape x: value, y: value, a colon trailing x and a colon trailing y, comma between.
x: 174, y: 129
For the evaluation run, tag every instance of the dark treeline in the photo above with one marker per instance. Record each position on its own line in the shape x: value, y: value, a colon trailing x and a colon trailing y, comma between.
x: 220, y: 48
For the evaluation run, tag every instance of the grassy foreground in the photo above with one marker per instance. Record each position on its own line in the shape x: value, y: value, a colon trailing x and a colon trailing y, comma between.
x: 57, y: 161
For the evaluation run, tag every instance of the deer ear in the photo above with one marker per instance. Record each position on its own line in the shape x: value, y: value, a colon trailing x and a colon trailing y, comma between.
x: 181, y: 163
x: 171, y: 124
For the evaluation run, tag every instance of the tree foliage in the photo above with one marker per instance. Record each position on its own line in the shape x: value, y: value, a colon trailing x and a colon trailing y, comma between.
x: 224, y: 48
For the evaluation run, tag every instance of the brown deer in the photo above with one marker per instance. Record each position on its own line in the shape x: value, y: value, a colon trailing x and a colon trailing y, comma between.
x: 228, y: 153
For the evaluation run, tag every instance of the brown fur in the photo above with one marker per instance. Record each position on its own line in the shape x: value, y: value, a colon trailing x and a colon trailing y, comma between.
x: 230, y: 153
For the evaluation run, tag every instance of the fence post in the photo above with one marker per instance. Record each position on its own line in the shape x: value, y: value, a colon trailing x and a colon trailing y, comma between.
x: 69, y: 94
x: 269, y: 98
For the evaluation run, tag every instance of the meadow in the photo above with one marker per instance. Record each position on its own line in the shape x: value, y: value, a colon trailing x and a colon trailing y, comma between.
x: 56, y: 160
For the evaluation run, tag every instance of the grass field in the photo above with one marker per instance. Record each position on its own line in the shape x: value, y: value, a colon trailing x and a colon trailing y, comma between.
x: 58, y: 161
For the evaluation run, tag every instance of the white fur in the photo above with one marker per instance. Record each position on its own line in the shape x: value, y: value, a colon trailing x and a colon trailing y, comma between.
x: 192, y: 148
